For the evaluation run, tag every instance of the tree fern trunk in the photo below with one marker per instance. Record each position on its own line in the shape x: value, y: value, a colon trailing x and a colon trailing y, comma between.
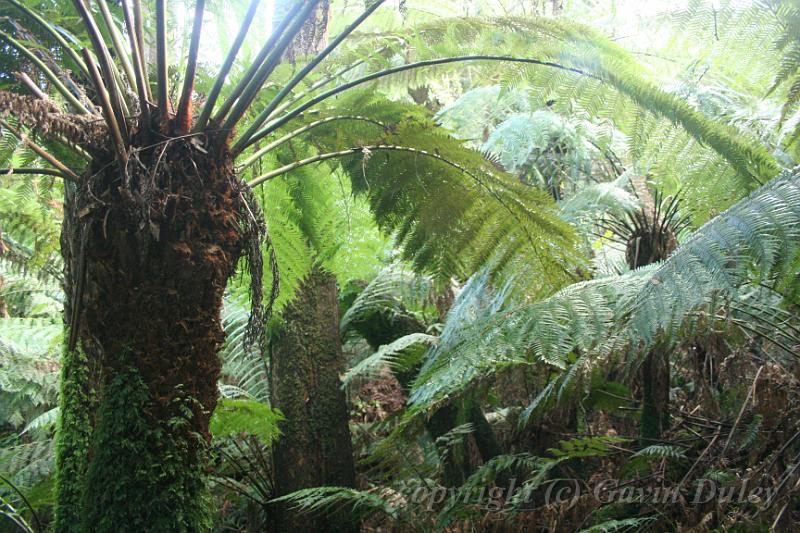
x: 484, y: 435
x: 655, y: 245
x: 147, y: 260
x: 313, y: 36
x: 655, y: 395
x: 73, y: 436
x: 306, y: 361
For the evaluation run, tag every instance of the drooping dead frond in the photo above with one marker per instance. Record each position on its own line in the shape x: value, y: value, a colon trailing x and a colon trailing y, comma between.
x: 85, y: 131
x: 255, y: 233
x: 58, y: 85
x: 41, y: 152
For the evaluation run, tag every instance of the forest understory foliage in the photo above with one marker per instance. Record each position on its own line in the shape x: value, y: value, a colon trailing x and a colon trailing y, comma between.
x: 323, y: 265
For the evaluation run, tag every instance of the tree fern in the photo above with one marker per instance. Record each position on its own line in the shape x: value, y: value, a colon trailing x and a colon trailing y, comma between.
x: 754, y: 241
x: 395, y: 289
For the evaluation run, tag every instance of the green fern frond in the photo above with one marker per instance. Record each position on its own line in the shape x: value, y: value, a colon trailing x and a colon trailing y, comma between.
x: 358, y: 503
x: 612, y: 526
x: 659, y: 451
x: 28, y: 463
x: 754, y: 241
x: 751, y: 432
x: 578, y: 46
x: 395, y: 290
x: 401, y: 355
x: 237, y: 417
x: 244, y: 370
x: 582, y: 448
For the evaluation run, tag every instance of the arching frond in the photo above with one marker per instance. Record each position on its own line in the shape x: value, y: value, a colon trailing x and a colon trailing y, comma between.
x: 327, y: 499
x: 755, y: 241
x: 395, y: 289
x: 399, y: 356
x: 244, y: 366
x: 612, y: 86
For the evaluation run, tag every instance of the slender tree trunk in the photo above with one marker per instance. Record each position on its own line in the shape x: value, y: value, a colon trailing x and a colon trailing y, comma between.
x: 655, y: 395
x: 146, y: 262
x: 484, y: 435
x: 306, y: 361
x: 655, y: 368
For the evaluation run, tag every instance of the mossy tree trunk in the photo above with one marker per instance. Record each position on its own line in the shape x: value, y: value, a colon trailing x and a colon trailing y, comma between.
x: 306, y: 361
x: 147, y: 259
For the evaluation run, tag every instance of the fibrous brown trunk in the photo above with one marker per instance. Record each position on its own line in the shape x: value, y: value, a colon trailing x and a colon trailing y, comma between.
x: 306, y: 361
x: 655, y: 394
x: 313, y: 36
x: 147, y: 259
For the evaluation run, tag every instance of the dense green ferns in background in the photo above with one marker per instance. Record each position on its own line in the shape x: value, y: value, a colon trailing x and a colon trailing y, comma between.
x: 456, y: 173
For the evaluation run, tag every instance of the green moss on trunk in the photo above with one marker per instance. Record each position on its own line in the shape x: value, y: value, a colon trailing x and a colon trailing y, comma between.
x: 73, y: 437
x: 145, y: 475
x: 306, y: 359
